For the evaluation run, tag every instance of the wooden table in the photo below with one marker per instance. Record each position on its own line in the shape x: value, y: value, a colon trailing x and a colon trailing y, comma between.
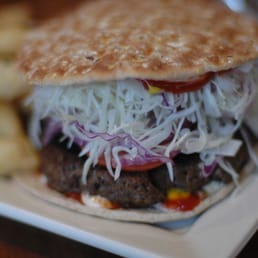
x: 18, y: 240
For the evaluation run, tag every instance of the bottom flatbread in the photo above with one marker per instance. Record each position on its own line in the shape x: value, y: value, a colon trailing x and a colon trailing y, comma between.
x: 33, y: 184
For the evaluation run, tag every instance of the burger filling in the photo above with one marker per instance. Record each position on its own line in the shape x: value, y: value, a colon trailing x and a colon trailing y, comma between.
x: 142, y: 135
x: 63, y: 169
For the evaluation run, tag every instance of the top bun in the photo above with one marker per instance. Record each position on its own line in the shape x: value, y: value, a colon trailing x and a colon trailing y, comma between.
x: 155, y: 39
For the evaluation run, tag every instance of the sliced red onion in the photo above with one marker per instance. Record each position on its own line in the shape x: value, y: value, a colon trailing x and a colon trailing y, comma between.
x: 143, y: 156
x: 165, y: 99
x: 122, y: 139
x: 208, y: 169
x: 52, y: 129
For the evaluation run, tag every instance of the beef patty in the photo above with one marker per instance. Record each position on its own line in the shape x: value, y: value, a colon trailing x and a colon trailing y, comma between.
x: 63, y: 169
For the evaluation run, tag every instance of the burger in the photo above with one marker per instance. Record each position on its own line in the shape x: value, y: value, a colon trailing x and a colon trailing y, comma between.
x: 138, y: 105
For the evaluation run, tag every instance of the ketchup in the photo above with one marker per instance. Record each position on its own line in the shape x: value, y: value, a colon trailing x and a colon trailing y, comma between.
x: 181, y: 200
x: 74, y: 196
x: 183, y: 204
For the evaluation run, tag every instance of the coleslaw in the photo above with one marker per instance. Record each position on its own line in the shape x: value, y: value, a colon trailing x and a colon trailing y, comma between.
x: 125, y: 124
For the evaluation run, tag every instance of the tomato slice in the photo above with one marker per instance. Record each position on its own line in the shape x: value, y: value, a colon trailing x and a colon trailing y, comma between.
x: 180, y: 86
x: 134, y: 168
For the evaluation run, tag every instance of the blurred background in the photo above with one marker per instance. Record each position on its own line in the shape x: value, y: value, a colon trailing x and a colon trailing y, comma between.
x: 41, y: 10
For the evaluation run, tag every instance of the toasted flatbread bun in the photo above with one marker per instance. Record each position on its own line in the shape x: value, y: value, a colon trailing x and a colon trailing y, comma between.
x: 155, y: 39
x: 34, y: 185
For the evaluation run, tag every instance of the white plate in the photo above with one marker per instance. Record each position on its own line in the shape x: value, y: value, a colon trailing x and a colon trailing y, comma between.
x: 222, y: 231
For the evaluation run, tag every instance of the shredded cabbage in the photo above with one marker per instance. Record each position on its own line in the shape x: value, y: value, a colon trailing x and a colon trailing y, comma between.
x: 122, y: 122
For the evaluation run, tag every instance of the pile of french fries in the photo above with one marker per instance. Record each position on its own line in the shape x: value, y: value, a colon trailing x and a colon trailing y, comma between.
x: 16, y: 152
x: 14, y: 23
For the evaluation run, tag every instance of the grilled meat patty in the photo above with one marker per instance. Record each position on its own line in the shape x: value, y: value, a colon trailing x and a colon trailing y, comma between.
x: 63, y: 169
x: 129, y: 190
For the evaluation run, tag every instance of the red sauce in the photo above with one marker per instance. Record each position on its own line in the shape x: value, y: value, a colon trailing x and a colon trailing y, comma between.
x: 180, y: 86
x: 114, y: 206
x: 74, y: 196
x: 183, y: 204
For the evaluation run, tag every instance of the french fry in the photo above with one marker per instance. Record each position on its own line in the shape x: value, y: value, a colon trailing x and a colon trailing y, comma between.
x: 11, y: 39
x: 16, y: 152
x: 16, y: 155
x: 11, y: 84
x: 17, y: 14
x: 10, y: 125
x: 15, y: 21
